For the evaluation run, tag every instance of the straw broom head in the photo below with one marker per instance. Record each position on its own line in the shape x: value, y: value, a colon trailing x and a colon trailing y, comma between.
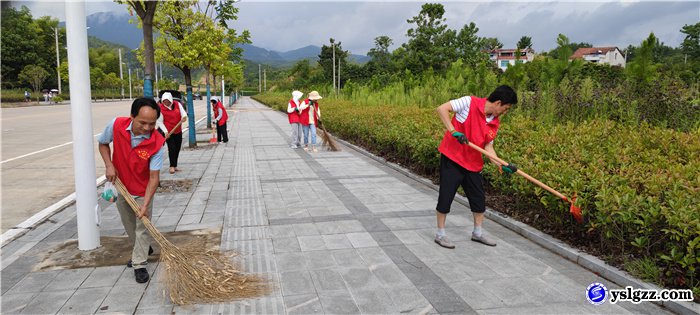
x: 328, y: 139
x: 195, y: 276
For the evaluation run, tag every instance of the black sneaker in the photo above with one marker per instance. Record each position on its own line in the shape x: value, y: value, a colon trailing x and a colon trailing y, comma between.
x: 141, y: 275
x: 150, y: 252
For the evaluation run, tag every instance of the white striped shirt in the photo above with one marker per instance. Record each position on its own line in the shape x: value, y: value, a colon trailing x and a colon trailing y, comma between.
x: 461, y: 108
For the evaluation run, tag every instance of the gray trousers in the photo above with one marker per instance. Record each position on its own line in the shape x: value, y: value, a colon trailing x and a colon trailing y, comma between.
x: 138, y: 235
x: 296, y: 134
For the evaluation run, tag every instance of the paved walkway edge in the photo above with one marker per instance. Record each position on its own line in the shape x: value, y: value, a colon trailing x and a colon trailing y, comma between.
x: 587, y: 261
x: 43, y: 215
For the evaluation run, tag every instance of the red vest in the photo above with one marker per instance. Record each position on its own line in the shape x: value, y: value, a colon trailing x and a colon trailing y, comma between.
x: 132, y: 163
x: 477, y: 131
x: 171, y: 116
x: 293, y: 116
x: 224, y: 114
x: 304, y: 116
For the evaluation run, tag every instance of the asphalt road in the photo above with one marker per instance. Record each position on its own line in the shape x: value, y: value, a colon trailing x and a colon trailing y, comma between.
x: 37, y: 155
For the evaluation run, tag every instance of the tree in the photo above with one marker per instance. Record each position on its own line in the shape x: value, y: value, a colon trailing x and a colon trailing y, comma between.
x: 146, y: 11
x: 468, y: 45
x: 430, y: 43
x: 525, y: 42
x: 490, y: 43
x: 381, y: 57
x: 691, y: 43
x: 642, y: 69
x: 34, y: 75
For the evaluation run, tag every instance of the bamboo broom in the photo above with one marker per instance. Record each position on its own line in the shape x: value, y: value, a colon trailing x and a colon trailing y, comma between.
x: 328, y: 139
x: 195, y: 276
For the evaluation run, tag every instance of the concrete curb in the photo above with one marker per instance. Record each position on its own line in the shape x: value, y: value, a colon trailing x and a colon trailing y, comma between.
x: 587, y: 261
x: 41, y: 216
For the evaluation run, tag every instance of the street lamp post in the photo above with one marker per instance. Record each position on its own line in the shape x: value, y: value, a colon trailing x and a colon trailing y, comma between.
x: 58, y: 61
x: 130, y: 83
x: 121, y: 74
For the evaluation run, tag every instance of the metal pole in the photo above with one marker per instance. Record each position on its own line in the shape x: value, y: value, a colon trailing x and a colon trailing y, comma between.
x: 222, y: 90
x: 81, y: 122
x: 121, y: 72
x: 161, y: 71
x: 265, y: 79
x: 259, y: 80
x: 333, y: 47
x: 58, y: 61
x: 338, y: 75
x: 130, y: 84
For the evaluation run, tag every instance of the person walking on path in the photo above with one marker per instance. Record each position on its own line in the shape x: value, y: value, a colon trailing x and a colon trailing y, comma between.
x: 220, y: 120
x: 172, y: 113
x: 136, y: 161
x: 310, y: 114
x: 475, y: 120
x: 27, y: 96
x: 293, y: 113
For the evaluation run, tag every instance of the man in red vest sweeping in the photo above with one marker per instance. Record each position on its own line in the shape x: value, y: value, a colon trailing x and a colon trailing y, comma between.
x: 475, y: 120
x: 172, y: 113
x: 136, y: 160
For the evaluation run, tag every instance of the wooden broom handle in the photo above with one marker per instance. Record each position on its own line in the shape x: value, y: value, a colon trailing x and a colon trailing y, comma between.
x: 171, y: 130
x: 519, y: 172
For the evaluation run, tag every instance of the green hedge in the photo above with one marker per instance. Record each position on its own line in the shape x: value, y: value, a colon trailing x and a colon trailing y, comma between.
x: 638, y: 186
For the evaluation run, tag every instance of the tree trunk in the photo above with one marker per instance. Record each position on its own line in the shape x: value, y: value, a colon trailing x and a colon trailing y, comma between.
x: 190, y: 107
x: 208, y: 101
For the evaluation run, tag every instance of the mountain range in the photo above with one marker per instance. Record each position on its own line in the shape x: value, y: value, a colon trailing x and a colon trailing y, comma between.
x: 103, y: 25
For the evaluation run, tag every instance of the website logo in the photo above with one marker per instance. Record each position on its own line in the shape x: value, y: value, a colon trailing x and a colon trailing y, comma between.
x: 596, y: 293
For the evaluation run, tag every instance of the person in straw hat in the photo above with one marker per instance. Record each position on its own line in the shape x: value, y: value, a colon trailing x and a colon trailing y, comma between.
x: 310, y: 114
x: 475, y: 120
x: 136, y: 161
x: 293, y: 113
x: 172, y: 113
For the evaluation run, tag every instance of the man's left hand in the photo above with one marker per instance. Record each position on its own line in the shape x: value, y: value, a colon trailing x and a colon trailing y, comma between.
x: 143, y: 212
x: 510, y: 168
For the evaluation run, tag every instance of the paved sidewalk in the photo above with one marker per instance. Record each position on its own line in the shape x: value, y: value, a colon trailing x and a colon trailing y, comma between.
x: 336, y: 232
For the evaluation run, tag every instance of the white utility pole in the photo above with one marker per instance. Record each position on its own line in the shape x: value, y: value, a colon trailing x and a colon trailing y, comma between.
x: 259, y: 79
x: 121, y: 72
x: 222, y: 90
x: 265, y: 79
x: 58, y: 61
x: 81, y: 122
x: 333, y: 47
x: 338, y: 75
x: 156, y: 74
x: 130, y: 84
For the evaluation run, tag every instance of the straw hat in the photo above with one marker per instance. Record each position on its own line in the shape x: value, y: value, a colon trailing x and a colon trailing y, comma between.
x: 314, y: 96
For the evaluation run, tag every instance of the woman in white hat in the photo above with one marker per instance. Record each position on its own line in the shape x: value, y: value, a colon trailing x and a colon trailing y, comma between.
x: 293, y: 110
x: 310, y: 115
x: 172, y: 113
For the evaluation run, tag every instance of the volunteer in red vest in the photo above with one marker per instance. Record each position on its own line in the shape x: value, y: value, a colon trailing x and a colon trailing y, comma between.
x: 220, y: 119
x: 309, y: 116
x: 171, y: 113
x: 293, y: 113
x: 475, y: 120
x: 136, y: 161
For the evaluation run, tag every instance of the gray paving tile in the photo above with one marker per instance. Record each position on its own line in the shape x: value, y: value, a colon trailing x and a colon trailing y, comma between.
x: 296, y: 282
x: 303, y: 304
x: 285, y: 245
x: 328, y: 280
x: 335, y: 303
x: 14, y: 303
x: 85, y: 301
x: 361, y: 239
x: 69, y: 279
x: 34, y: 282
x: 122, y: 299
x: 319, y: 259
x: 374, y: 302
x: 336, y: 241
x: 311, y: 243
x: 47, y: 302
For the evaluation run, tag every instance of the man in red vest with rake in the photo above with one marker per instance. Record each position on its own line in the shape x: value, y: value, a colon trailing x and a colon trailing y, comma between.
x: 475, y: 120
x: 136, y: 161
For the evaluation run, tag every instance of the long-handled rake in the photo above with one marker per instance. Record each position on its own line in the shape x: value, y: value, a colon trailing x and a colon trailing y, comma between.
x: 170, y: 133
x: 574, y: 210
x: 328, y: 139
x: 195, y: 276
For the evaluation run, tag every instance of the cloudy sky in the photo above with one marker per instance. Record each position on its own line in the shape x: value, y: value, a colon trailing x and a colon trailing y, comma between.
x: 287, y: 25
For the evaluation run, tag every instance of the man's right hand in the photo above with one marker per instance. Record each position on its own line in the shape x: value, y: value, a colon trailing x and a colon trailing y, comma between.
x: 461, y: 138
x: 111, y: 173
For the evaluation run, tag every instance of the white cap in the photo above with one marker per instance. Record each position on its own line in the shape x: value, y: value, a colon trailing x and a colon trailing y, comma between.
x: 167, y: 96
x: 296, y: 95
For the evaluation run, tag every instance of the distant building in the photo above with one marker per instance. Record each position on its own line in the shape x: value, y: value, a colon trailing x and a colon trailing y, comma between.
x: 603, y: 55
x: 505, y: 58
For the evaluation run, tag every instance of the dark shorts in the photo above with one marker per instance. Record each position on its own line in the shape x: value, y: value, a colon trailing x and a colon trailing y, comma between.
x: 452, y: 175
